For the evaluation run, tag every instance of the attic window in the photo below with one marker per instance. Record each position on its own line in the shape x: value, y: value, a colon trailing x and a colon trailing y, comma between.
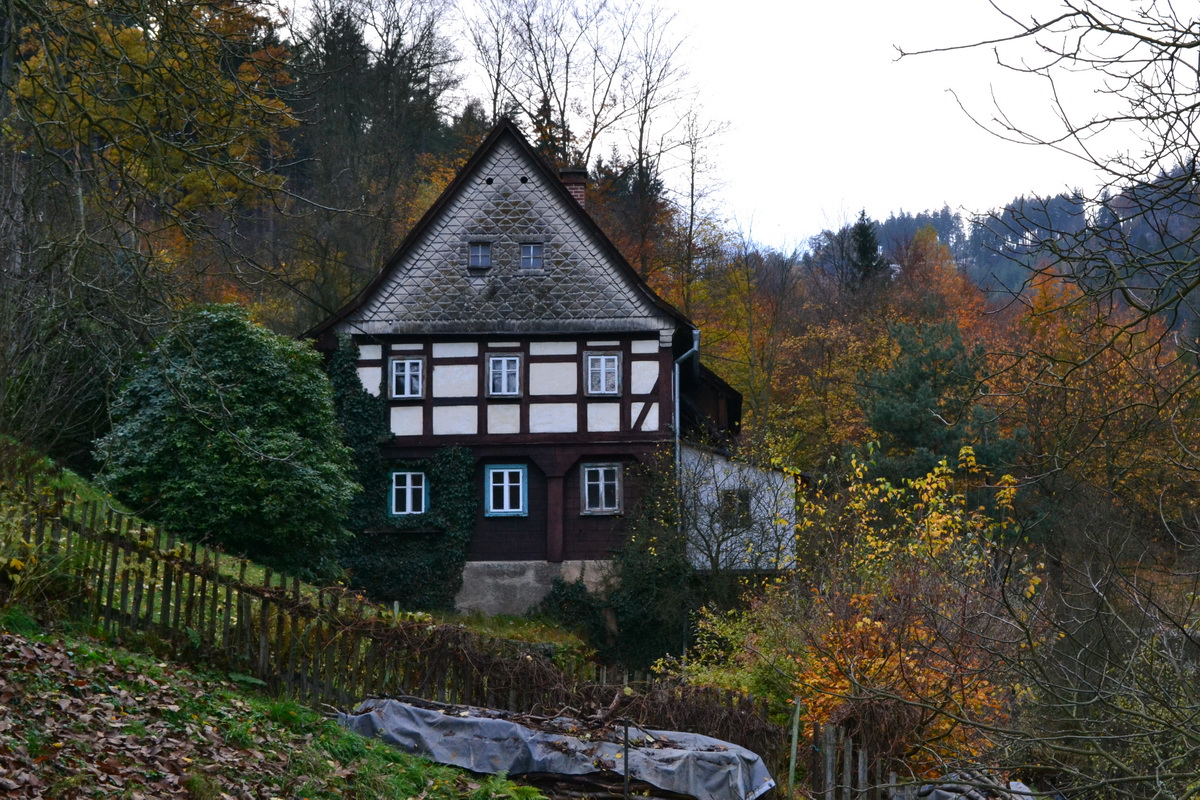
x: 531, y: 256
x: 479, y: 255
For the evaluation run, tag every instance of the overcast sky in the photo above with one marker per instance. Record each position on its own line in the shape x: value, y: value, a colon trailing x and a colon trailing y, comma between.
x: 824, y: 120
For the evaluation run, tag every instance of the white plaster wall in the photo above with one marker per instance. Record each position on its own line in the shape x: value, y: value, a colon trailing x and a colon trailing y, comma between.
x: 643, y: 374
x: 448, y: 420
x: 552, y: 378
x: 406, y: 347
x: 603, y: 417
x: 767, y: 542
x: 643, y: 346
x: 372, y: 379
x: 553, y: 418
x: 552, y: 348
x: 504, y: 419
x: 455, y: 380
x: 369, y: 352
x: 408, y: 421
x: 455, y: 350
x: 650, y: 423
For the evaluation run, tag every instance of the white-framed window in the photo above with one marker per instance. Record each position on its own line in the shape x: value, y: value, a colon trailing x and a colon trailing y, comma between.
x: 479, y: 255
x: 504, y: 376
x: 410, y: 493
x: 531, y: 255
x: 602, y: 373
x: 408, y: 377
x: 601, y: 486
x: 507, y: 489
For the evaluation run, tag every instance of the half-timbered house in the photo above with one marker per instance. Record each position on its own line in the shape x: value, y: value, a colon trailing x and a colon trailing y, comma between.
x: 508, y: 323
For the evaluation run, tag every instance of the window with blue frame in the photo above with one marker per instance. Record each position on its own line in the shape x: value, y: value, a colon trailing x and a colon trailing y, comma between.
x: 506, y: 487
x: 410, y: 493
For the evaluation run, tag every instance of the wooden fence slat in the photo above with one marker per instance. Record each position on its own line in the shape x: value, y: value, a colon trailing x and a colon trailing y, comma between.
x: 263, y: 661
x: 214, y: 613
x: 189, y: 602
x: 200, y: 625
x: 114, y: 557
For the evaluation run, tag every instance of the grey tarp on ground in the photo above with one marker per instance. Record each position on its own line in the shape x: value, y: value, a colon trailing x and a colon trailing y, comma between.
x: 973, y: 786
x: 700, y: 766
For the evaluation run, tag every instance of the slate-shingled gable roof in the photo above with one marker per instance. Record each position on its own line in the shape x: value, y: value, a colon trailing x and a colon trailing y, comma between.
x: 585, y: 286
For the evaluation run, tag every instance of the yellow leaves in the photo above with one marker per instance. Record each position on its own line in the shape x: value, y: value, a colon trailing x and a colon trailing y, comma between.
x: 169, y: 103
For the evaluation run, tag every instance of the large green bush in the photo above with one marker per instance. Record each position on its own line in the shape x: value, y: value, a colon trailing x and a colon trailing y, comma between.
x: 227, y: 434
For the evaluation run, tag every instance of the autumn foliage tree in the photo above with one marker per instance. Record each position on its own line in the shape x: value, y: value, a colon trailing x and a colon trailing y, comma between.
x: 892, y: 626
x: 137, y: 139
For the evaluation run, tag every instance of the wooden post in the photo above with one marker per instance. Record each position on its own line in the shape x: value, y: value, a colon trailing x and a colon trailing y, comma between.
x: 554, y: 518
x: 829, y: 745
x: 847, y: 763
x: 795, y: 746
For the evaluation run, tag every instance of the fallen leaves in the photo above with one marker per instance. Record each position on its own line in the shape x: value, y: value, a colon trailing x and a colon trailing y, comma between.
x: 70, y: 729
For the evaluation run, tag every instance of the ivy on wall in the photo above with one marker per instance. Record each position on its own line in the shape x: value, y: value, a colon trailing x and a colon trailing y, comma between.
x: 416, y: 560
x: 645, y: 610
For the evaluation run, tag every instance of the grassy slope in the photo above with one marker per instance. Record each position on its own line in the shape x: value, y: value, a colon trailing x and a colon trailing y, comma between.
x: 82, y: 719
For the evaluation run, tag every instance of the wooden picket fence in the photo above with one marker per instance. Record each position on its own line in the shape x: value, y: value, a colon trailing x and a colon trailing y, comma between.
x: 333, y: 648
x: 843, y: 770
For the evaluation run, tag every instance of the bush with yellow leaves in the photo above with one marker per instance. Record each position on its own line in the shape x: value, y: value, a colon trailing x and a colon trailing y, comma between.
x: 899, y: 624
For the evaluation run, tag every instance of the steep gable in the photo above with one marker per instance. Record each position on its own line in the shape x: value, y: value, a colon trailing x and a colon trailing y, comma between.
x: 506, y: 196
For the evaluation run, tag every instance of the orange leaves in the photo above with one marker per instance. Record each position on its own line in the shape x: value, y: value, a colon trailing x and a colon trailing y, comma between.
x: 903, y: 644
x: 1101, y: 394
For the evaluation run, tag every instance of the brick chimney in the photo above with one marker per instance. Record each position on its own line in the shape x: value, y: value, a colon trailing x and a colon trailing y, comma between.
x: 575, y: 179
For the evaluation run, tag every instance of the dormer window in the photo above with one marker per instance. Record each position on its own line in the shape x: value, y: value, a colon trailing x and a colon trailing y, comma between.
x: 479, y: 255
x: 531, y: 255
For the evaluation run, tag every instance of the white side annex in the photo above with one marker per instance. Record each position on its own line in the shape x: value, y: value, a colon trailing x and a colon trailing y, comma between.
x: 737, y: 516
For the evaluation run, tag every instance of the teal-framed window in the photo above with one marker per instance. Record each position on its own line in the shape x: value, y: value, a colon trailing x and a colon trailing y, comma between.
x: 506, y: 490
x: 410, y: 493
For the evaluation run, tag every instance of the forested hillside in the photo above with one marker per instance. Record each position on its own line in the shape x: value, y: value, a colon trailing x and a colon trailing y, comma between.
x: 996, y: 418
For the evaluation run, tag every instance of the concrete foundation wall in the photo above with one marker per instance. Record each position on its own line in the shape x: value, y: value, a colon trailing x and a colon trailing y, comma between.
x: 512, y: 587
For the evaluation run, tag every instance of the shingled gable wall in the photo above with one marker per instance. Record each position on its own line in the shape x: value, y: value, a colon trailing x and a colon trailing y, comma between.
x: 578, y: 290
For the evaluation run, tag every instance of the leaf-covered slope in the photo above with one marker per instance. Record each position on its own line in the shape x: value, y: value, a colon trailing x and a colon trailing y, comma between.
x: 79, y: 720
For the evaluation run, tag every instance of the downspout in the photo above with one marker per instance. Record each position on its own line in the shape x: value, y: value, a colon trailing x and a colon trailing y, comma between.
x: 695, y: 351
